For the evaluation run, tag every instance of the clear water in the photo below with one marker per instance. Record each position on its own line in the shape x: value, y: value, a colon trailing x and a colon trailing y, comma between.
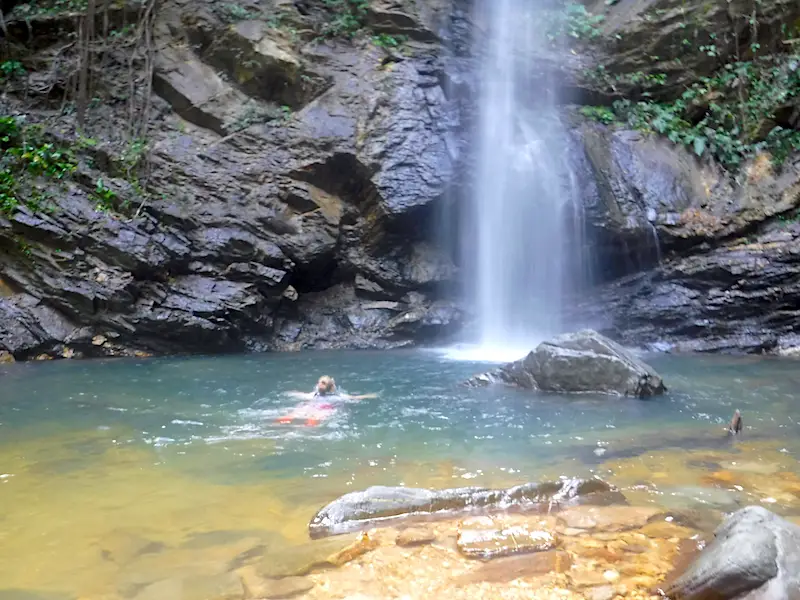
x: 182, y: 448
x: 524, y: 217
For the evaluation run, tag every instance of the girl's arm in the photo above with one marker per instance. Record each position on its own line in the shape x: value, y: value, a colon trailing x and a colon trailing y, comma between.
x: 362, y: 396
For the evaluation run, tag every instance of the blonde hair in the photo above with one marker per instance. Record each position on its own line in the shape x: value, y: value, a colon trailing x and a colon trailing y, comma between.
x: 327, y: 383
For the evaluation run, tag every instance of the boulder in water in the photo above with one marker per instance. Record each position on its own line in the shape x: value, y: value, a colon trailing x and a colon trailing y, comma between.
x: 754, y: 554
x: 358, y: 510
x: 584, y: 361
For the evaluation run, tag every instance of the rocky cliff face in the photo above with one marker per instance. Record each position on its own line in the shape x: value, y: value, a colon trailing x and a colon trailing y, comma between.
x: 721, y: 256
x: 290, y: 178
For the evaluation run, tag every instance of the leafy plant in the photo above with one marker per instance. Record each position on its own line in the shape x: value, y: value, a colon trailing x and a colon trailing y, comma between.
x: 573, y: 21
x: 385, y: 40
x: 106, y: 197
x: 349, y: 17
x: 24, y: 159
x: 730, y: 115
x: 234, y: 12
x: 50, y: 7
x: 601, y: 114
x: 11, y: 69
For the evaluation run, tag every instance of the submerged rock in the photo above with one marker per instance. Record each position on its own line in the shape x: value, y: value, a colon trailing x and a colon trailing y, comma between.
x: 285, y: 587
x: 225, y: 586
x: 415, y: 536
x: 295, y: 561
x: 584, y: 361
x: 503, y: 570
x: 755, y: 554
x: 379, y: 503
x: 121, y: 546
x: 491, y: 543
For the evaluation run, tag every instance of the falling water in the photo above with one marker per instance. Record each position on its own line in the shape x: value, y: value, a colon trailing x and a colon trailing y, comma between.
x: 524, y: 194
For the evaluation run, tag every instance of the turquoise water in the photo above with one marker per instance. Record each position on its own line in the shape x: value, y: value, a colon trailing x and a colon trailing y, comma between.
x: 188, y: 446
x: 422, y: 412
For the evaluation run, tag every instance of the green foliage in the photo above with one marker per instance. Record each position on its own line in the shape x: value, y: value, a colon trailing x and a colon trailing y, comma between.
x: 573, y: 21
x: 729, y: 115
x: 384, y: 40
x: 133, y: 154
x: 601, y: 114
x: 11, y: 69
x: 24, y: 160
x: 349, y: 17
x: 613, y: 82
x: 50, y: 7
x: 234, y: 12
x: 106, y: 197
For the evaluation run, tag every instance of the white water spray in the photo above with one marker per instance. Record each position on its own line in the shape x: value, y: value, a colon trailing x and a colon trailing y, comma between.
x: 521, y: 256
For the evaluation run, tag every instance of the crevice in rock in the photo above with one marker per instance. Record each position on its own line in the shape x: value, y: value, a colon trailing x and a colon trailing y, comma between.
x: 341, y: 175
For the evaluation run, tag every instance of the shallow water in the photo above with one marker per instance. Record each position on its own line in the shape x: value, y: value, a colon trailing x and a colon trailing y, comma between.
x: 187, y: 451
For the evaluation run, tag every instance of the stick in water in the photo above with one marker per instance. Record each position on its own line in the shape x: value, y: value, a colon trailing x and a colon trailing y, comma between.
x: 736, y: 424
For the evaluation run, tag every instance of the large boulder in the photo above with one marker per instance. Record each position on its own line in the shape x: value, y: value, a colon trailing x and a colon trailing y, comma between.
x: 584, y: 361
x: 358, y: 510
x: 754, y: 554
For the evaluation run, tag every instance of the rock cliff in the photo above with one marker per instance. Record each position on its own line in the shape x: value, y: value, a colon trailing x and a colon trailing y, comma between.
x: 287, y: 176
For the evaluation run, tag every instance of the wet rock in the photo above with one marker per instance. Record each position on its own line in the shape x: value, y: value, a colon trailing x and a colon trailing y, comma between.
x: 122, y: 546
x: 700, y: 519
x: 6, y: 357
x: 294, y: 561
x: 415, y: 536
x: 720, y: 249
x: 610, y: 518
x: 603, y: 592
x: 666, y: 530
x: 380, y: 504
x: 754, y: 554
x: 285, y: 587
x: 503, y: 570
x: 580, y: 362
x: 582, y: 578
x: 227, y: 586
x: 491, y: 543
x: 248, y: 556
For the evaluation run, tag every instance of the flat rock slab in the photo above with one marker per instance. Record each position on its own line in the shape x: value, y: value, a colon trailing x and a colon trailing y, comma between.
x: 294, y: 561
x: 503, y: 570
x: 121, y: 546
x: 226, y: 586
x: 491, y: 543
x: 754, y: 554
x: 581, y: 362
x: 272, y: 589
x: 607, y: 518
x: 415, y: 536
x: 379, y: 504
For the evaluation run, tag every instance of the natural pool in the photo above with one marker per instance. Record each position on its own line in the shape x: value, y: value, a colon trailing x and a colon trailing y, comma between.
x: 185, y: 452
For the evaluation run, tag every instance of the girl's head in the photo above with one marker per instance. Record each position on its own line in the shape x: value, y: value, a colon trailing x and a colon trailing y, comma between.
x: 326, y: 386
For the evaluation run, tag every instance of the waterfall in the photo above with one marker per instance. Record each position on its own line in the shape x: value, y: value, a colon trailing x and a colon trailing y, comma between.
x: 520, y: 255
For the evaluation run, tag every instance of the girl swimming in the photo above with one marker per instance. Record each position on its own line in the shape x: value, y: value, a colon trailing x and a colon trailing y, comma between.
x: 320, y: 404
